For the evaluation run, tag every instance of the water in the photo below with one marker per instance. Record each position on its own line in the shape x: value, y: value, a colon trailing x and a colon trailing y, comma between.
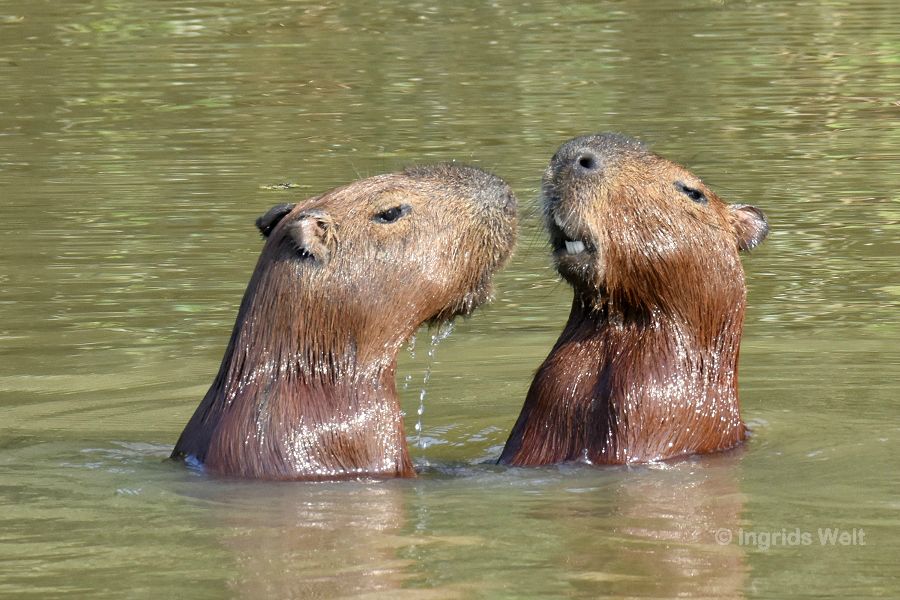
x: 443, y: 332
x: 136, y: 144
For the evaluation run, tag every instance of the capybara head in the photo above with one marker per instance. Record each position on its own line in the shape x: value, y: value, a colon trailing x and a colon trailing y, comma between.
x: 383, y: 255
x: 632, y: 228
x: 306, y: 389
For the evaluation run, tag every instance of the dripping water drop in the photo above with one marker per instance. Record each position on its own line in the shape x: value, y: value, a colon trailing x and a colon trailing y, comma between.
x: 443, y: 332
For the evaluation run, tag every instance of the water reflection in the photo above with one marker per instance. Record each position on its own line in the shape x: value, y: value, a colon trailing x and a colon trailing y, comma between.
x: 671, y: 521
x: 313, y: 541
x: 649, y: 532
x: 652, y: 533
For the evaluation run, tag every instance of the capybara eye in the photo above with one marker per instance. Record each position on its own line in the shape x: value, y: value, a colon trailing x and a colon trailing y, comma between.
x: 692, y: 193
x: 392, y: 214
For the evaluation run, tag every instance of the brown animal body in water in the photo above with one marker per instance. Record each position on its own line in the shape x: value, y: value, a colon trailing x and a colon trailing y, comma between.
x: 646, y: 367
x: 306, y: 389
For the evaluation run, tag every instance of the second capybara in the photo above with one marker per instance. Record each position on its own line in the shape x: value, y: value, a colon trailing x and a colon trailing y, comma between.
x: 306, y: 389
x: 646, y: 366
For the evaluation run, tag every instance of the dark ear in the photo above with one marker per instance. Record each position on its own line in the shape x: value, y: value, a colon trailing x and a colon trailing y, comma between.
x: 268, y: 221
x: 750, y: 225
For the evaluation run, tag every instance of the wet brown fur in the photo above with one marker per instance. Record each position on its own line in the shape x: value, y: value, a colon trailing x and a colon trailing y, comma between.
x: 306, y: 389
x: 646, y: 366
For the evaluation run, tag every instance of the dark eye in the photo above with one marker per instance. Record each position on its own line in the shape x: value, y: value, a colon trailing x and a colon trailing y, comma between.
x: 392, y: 214
x: 692, y: 193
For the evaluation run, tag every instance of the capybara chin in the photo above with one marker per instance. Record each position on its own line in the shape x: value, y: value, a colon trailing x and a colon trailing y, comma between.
x: 306, y: 389
x: 646, y: 367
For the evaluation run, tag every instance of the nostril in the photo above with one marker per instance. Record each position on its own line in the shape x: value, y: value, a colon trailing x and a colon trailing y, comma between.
x: 587, y: 161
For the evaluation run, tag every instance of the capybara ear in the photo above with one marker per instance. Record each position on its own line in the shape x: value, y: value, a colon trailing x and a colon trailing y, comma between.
x: 750, y: 225
x: 273, y: 216
x: 313, y: 234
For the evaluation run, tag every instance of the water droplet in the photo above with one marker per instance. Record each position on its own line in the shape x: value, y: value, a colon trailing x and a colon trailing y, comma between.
x: 411, y: 346
x: 442, y: 333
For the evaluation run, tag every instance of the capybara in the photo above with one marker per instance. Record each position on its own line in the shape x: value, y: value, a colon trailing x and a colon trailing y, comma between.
x: 306, y: 389
x: 646, y: 366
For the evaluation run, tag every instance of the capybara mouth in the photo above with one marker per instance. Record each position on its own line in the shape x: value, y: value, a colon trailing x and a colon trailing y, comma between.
x: 566, y: 239
x: 568, y: 243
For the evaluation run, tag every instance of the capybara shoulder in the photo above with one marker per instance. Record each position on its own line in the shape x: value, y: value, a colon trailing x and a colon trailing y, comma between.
x: 306, y: 388
x: 646, y: 366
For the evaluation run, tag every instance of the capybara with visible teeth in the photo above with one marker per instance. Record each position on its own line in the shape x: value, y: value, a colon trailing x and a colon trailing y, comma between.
x: 306, y: 389
x: 646, y: 367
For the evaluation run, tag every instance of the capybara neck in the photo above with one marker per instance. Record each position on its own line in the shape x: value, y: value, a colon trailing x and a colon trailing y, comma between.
x: 306, y: 389
x: 295, y: 399
x: 646, y: 366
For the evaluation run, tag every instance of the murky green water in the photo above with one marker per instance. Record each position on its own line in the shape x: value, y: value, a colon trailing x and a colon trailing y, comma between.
x: 135, y: 138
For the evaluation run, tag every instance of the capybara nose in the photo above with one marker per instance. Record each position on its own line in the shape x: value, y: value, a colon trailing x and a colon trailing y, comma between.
x: 489, y: 191
x: 577, y: 157
x: 586, y: 160
x: 492, y: 190
x: 502, y: 196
